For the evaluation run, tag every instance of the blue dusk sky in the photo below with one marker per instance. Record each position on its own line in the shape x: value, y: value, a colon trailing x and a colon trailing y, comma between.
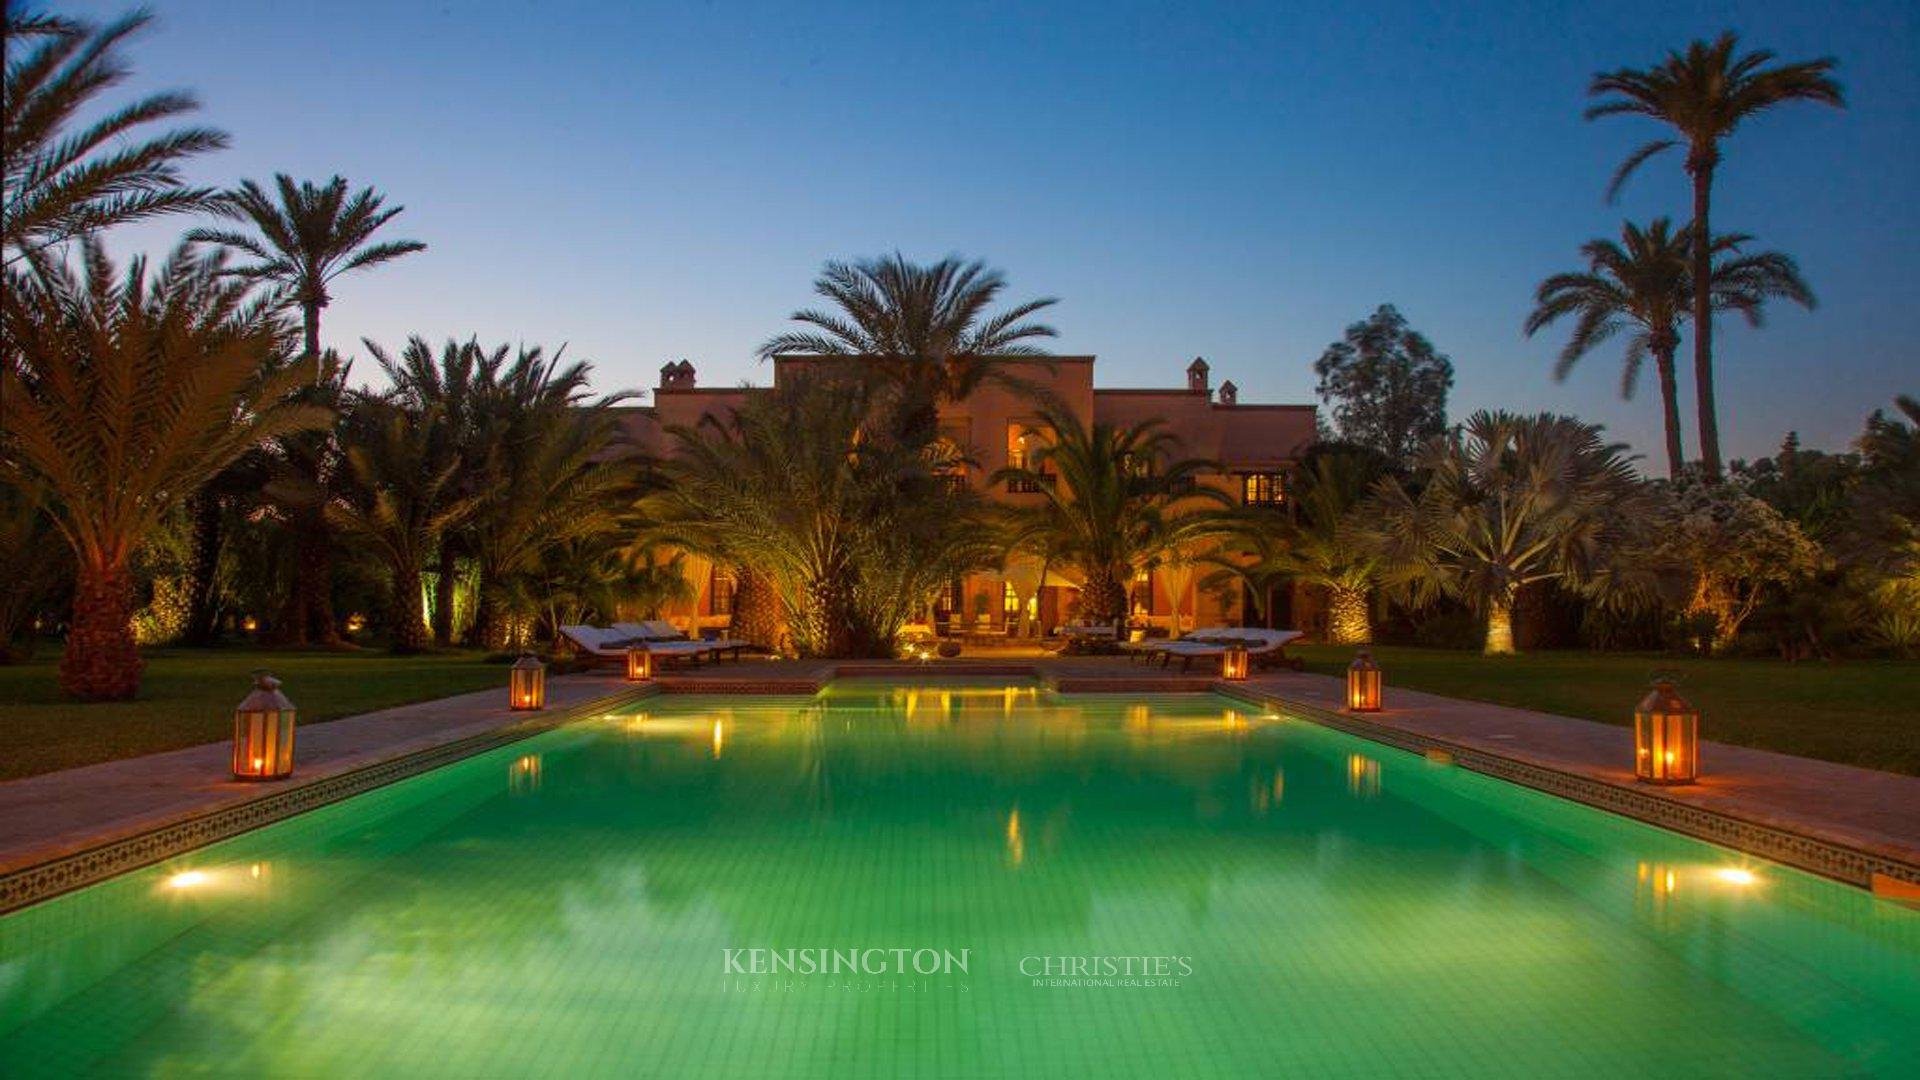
x: 653, y: 181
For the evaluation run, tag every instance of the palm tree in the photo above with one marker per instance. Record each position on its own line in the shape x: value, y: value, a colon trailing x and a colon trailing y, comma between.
x: 926, y: 328
x: 810, y: 484
x: 1704, y: 94
x: 1508, y: 501
x: 61, y: 182
x: 1643, y: 285
x: 532, y: 442
x: 397, y: 492
x: 1328, y: 544
x: 1108, y: 502
x: 308, y: 235
x: 120, y: 396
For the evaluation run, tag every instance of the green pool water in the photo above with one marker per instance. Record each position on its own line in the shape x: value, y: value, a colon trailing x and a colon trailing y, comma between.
x: 1087, y: 886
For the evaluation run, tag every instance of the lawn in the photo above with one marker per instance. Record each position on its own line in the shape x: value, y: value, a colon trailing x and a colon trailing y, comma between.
x: 1863, y: 712
x: 187, y: 698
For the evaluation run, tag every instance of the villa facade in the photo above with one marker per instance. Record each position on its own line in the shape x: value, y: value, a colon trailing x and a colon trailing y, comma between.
x: 1257, y: 447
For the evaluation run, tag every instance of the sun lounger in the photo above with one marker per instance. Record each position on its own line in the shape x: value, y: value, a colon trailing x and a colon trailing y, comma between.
x: 613, y: 644
x: 659, y: 631
x: 1151, y: 648
x: 1265, y: 648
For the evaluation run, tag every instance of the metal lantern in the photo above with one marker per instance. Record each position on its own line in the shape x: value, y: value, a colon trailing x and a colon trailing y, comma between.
x: 1363, y: 683
x: 1666, y: 736
x: 1233, y: 663
x: 263, y: 732
x: 639, y: 663
x: 527, y: 683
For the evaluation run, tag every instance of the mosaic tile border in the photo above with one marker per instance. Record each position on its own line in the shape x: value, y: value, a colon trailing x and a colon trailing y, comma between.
x: 1837, y: 861
x: 47, y: 880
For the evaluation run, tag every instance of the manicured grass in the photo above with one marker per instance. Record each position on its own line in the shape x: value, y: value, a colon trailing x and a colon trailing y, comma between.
x: 187, y: 698
x: 1862, y: 712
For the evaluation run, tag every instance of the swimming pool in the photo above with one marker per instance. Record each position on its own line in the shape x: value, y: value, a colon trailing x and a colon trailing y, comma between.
x: 959, y: 880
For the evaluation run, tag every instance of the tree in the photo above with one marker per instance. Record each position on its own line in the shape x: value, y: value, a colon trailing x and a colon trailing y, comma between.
x: 397, y: 492
x: 308, y: 235
x: 1386, y: 384
x: 1644, y: 285
x: 1704, y: 94
x: 1329, y: 544
x: 1730, y: 549
x: 1108, y: 505
x: 813, y: 484
x: 122, y: 394
x: 61, y: 181
x: 1508, y: 501
x: 926, y: 328
x: 531, y: 440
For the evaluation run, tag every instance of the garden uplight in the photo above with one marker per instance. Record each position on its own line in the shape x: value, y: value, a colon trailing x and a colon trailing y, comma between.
x: 1666, y: 737
x: 263, y: 732
x: 1233, y: 663
x: 1363, y: 683
x: 527, y: 683
x: 639, y: 663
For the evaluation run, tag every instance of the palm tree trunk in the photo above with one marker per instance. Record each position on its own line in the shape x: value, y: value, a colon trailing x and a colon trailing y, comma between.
x: 1103, y: 600
x: 1703, y: 321
x: 1499, y: 625
x: 311, y: 311
x: 1670, y: 407
x: 202, y: 611
x: 314, y: 583
x: 101, y: 662
x: 443, y: 590
x: 1349, y: 617
x: 409, y: 629
x: 756, y: 604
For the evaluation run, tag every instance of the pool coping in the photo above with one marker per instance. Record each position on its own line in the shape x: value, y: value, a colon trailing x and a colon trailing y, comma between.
x: 1864, y: 865
x: 33, y: 884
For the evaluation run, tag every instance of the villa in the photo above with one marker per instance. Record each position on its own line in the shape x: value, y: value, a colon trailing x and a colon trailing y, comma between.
x: 1255, y: 447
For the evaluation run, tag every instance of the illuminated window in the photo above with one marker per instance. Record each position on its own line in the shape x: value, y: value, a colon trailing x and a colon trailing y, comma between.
x: 1263, y: 489
x: 1021, y: 443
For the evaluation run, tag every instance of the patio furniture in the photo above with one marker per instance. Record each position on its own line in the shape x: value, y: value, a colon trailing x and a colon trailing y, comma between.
x: 1148, y: 649
x: 1265, y: 648
x: 659, y: 631
x: 613, y: 644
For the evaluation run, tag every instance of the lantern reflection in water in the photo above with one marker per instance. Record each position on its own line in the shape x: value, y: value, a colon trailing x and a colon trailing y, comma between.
x: 719, y: 738
x: 523, y: 775
x: 1016, y: 840
x: 1363, y: 776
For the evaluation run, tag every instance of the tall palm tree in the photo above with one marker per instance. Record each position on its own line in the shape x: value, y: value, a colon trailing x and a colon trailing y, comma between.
x: 1643, y: 285
x: 397, y: 492
x: 309, y: 234
x: 1506, y: 502
x: 1111, y: 502
x: 121, y: 395
x: 926, y: 328
x: 63, y: 181
x: 1703, y: 94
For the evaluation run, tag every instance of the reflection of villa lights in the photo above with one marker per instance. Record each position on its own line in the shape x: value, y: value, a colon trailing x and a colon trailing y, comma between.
x: 187, y: 879
x: 719, y: 738
x: 1736, y: 875
x: 1016, y: 840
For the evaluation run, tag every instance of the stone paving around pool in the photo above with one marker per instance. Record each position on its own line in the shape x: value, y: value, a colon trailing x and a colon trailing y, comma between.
x: 61, y: 830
